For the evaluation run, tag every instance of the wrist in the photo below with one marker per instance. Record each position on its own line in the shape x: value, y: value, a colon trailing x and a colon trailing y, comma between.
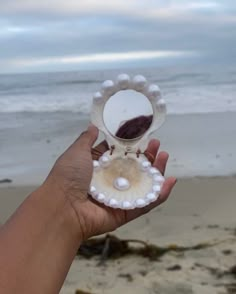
x: 61, y: 206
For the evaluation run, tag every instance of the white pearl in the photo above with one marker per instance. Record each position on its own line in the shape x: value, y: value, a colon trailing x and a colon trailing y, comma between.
x: 158, y: 179
x: 113, y: 203
x: 126, y: 205
x: 100, y: 197
x: 104, y: 161
x: 123, y: 81
x: 161, y: 105
x: 153, y: 92
x: 97, y: 97
x: 152, y: 171
x: 139, y: 83
x: 96, y: 165
x: 140, y: 203
x: 121, y: 184
x: 145, y: 165
x: 92, y: 190
x: 108, y: 87
x: 156, y: 188
x: 151, y: 197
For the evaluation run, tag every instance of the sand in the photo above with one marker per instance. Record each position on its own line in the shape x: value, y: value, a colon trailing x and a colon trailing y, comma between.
x: 200, y: 210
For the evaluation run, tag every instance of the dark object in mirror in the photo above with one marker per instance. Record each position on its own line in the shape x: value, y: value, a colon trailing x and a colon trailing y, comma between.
x: 126, y: 109
x: 135, y: 127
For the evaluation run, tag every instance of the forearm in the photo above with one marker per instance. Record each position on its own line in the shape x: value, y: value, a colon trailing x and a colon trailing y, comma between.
x: 38, y: 244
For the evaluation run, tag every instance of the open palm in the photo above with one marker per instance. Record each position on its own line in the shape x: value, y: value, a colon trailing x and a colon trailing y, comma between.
x: 73, y: 174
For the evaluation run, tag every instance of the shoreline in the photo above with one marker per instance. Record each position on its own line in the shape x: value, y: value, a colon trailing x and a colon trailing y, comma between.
x: 199, y: 145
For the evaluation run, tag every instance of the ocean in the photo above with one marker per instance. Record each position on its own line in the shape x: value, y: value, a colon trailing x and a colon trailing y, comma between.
x: 186, y: 90
x: 42, y: 113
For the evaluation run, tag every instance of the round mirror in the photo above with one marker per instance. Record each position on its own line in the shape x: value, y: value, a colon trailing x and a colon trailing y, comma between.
x: 128, y: 114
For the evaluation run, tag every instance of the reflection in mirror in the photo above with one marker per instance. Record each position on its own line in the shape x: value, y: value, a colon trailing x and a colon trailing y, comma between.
x: 128, y: 114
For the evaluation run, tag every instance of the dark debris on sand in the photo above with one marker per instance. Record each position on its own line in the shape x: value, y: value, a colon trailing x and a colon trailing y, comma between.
x: 175, y: 267
x: 5, y: 181
x: 128, y: 277
x: 111, y: 247
x: 82, y: 292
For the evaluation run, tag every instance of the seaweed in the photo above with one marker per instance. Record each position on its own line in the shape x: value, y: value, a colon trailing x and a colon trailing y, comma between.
x: 112, y: 247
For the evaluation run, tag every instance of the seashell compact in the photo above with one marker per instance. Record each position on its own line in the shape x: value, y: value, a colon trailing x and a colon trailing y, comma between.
x: 123, y: 177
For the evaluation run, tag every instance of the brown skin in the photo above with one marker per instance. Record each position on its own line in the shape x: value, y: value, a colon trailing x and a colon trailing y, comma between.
x: 73, y: 172
x: 40, y: 241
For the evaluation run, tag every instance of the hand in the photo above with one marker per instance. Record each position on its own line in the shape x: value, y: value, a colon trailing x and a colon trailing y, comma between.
x: 72, y: 175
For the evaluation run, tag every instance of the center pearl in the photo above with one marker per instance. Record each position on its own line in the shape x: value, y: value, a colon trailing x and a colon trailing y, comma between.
x: 121, y: 184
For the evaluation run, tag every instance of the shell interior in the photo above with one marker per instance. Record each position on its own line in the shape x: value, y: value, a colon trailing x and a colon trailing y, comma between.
x: 125, y: 182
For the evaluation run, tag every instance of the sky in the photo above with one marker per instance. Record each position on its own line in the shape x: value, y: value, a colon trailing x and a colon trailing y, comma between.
x: 52, y: 35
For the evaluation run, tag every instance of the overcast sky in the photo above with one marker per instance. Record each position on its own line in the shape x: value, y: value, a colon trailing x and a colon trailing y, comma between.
x: 42, y: 35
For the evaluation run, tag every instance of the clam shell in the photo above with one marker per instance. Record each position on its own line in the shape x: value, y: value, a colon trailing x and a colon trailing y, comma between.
x: 126, y: 183
x: 123, y: 180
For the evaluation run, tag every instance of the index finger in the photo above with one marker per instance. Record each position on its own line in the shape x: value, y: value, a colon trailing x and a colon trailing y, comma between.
x: 152, y: 150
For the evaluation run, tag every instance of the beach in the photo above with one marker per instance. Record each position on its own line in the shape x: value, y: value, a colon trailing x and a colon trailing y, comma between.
x: 201, y: 208
x: 200, y: 211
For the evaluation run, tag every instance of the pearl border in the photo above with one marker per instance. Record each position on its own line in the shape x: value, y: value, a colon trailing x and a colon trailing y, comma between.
x: 124, y: 82
x: 151, y: 196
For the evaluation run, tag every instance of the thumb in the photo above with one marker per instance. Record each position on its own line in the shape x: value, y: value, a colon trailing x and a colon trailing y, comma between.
x: 85, y: 141
x: 88, y: 138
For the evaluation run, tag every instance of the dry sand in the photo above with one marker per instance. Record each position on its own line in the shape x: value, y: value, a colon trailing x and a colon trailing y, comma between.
x: 200, y: 210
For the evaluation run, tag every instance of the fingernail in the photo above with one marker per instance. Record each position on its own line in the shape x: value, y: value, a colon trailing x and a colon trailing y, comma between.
x: 90, y: 126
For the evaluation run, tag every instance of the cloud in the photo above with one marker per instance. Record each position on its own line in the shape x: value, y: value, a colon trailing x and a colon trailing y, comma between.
x: 65, y: 7
x: 131, y: 7
x: 103, y: 57
x: 47, y: 33
x: 204, y: 5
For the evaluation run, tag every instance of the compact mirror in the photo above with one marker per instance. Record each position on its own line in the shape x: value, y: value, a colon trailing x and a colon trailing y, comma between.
x: 127, y: 111
x: 128, y: 114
